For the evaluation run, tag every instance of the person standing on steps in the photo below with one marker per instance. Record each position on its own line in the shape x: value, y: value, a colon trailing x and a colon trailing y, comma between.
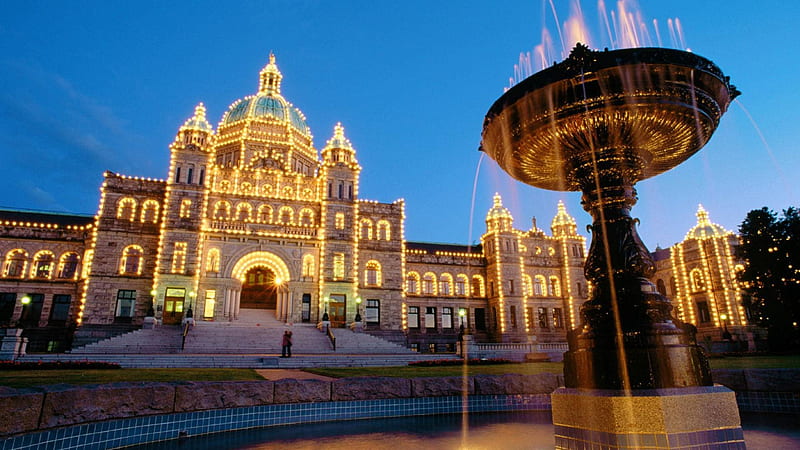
x: 286, y: 345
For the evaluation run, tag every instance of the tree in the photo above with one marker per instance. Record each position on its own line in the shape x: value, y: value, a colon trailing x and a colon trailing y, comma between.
x: 770, y: 248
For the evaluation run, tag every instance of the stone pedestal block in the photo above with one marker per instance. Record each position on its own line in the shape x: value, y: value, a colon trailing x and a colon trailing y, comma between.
x: 676, y: 418
x: 12, y: 344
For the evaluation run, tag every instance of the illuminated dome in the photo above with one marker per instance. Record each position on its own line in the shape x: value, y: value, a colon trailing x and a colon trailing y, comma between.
x: 198, y: 121
x: 268, y: 103
x: 563, y: 223
x: 497, y: 210
x: 704, y: 228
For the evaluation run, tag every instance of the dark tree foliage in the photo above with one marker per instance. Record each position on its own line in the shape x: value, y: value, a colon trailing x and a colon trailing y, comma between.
x: 770, y: 248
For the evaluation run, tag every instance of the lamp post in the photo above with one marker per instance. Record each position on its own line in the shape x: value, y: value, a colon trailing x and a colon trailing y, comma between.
x: 726, y: 335
x: 358, y: 309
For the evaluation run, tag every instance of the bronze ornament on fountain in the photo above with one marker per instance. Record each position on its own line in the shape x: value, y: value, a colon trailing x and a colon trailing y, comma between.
x: 598, y: 122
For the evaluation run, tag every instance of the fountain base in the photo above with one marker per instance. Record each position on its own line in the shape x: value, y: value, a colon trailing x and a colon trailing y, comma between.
x: 705, y: 416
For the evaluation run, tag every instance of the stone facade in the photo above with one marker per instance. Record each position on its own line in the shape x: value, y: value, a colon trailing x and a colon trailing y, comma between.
x: 251, y: 215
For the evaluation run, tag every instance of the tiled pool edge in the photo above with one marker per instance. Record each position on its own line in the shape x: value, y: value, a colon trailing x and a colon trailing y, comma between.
x: 141, y: 430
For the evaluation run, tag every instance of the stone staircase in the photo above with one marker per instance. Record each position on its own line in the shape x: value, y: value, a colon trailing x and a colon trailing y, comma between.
x: 252, y: 341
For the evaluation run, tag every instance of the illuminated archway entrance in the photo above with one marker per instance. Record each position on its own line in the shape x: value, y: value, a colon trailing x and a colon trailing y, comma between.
x: 264, y: 278
x: 259, y: 289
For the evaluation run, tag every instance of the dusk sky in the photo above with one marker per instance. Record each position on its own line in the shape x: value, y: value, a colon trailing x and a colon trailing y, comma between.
x: 90, y: 86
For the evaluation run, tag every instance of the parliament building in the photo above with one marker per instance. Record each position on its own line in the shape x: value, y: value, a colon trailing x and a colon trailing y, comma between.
x: 252, y: 216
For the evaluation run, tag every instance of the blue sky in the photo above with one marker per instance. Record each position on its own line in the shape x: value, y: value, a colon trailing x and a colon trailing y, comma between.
x: 95, y: 85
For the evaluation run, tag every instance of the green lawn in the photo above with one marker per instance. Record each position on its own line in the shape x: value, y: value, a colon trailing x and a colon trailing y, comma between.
x: 30, y: 378
x: 756, y: 362
x: 446, y: 371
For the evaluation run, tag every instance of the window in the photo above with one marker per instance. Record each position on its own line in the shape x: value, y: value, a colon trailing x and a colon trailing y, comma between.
x: 430, y: 317
x: 513, y: 313
x: 265, y: 214
x: 208, y: 308
x: 59, y: 312
x: 7, y: 302
x: 43, y: 265
x: 558, y: 320
x: 477, y: 286
x: 222, y: 210
x: 186, y: 209
x: 339, y: 221
x: 542, y: 315
x: 306, y: 217
x: 373, y: 273
x: 555, y: 287
x: 178, y: 174
x: 131, y: 263
x: 372, y: 313
x: 338, y: 266
x: 126, y: 209
x: 179, y: 258
x: 32, y: 312
x: 413, y: 317
x: 538, y: 286
x: 202, y: 177
x: 149, y: 212
x: 308, y: 265
x: 510, y: 286
x: 703, y: 315
x: 461, y: 285
x: 412, y: 283
x: 463, y: 317
x: 16, y: 260
x: 212, y: 260
x: 366, y: 229
x: 445, y: 283
x: 125, y: 303
x: 579, y: 289
x: 384, y: 231
x: 428, y: 283
x: 286, y: 215
x: 447, y: 317
x: 697, y: 280
x: 244, y: 212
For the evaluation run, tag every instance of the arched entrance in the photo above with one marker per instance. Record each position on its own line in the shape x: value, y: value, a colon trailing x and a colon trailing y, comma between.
x: 264, y: 278
x: 259, y: 289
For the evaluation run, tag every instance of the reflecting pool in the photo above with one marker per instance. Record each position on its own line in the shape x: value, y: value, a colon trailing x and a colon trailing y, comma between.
x: 514, y: 430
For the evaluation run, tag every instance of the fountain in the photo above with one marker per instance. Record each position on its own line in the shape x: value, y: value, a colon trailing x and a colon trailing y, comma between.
x: 599, y: 122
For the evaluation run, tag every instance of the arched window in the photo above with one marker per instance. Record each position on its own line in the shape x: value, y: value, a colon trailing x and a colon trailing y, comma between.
x: 186, y: 209
x: 698, y: 284
x: 212, y: 260
x: 68, y: 265
x: 412, y: 283
x: 661, y: 286
x: 244, y: 212
x: 555, y: 286
x: 461, y: 285
x: 286, y: 215
x: 339, y: 221
x: 384, y: 230
x: 43, y: 262
x: 149, y: 211
x: 527, y: 285
x: 366, y: 229
x: 308, y: 265
x: 429, y: 284
x: 16, y: 260
x: 539, y: 283
x: 306, y: 217
x: 372, y: 273
x: 131, y: 261
x: 126, y: 209
x: 222, y: 210
x: 265, y: 214
x: 445, y: 284
x: 478, y: 286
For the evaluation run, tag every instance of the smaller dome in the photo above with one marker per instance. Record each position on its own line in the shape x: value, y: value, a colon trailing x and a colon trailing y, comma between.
x: 198, y: 121
x: 338, y: 140
x: 498, y: 211
x: 563, y: 223
x: 704, y: 228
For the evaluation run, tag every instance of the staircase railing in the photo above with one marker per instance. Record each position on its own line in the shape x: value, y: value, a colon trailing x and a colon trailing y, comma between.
x: 186, y: 327
x: 329, y: 332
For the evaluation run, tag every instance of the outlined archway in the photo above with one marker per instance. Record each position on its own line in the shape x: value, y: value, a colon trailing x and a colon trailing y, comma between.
x: 264, y: 276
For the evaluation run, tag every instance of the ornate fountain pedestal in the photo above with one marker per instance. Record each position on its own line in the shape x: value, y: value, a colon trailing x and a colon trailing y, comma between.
x: 599, y: 122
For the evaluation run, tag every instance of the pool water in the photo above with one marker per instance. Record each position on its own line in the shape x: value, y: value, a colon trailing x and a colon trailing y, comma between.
x: 511, y: 430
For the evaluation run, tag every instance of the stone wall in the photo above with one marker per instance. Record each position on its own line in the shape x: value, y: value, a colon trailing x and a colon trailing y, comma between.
x: 24, y: 411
